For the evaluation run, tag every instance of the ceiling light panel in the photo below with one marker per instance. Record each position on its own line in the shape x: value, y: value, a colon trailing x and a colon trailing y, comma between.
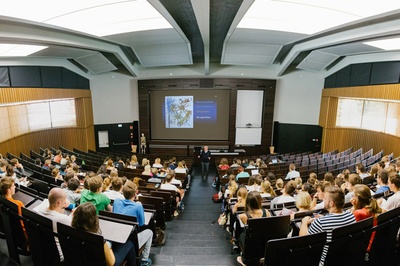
x: 7, y: 50
x: 96, y: 17
x: 311, y: 16
x: 387, y: 44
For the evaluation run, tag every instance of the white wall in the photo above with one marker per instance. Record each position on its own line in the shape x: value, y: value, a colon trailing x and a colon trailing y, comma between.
x: 298, y: 98
x: 115, y: 98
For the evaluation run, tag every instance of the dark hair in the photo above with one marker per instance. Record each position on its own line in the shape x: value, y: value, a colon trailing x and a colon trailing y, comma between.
x: 253, y: 201
x: 383, y: 175
x: 85, y: 218
x: 361, y: 167
x: 9, y: 170
x: 290, y: 187
x: 329, y: 178
x: 69, y: 175
x: 73, y: 184
x: 336, y: 195
x: 395, y: 179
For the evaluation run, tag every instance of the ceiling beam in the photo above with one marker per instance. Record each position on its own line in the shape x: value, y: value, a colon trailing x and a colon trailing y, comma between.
x: 201, y: 9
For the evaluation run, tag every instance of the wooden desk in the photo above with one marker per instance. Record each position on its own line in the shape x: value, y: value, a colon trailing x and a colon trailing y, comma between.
x: 26, y: 199
x: 115, y: 232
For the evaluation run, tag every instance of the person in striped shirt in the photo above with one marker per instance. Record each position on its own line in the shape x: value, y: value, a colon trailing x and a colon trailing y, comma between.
x: 333, y: 201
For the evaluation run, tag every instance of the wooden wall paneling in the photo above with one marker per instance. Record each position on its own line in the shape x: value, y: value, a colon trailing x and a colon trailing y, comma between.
x: 343, y: 138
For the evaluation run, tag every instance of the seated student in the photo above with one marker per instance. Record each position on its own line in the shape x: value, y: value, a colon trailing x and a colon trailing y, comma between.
x: 69, y: 175
x: 353, y: 180
x: 85, y: 219
x: 241, y: 199
x: 56, y: 174
x: 382, y: 180
x: 328, y: 177
x: 175, y: 181
x: 167, y: 185
x: 128, y: 206
x: 394, y: 200
x: 172, y: 163
x: 65, y: 159
x: 236, y: 163
x: 94, y: 195
x: 73, y: 192
x: 253, y: 209
x: 223, y: 164
x: 154, y: 178
x: 58, y: 201
x: 362, y: 171
x: 303, y: 201
x: 18, y: 167
x: 251, y: 165
x: 364, y: 206
x: 3, y: 166
x: 10, y: 173
x: 292, y: 172
x: 334, y: 201
x: 254, y: 183
x: 180, y: 168
x: 157, y: 163
x: 319, y: 195
x: 7, y: 189
x: 147, y: 170
x: 47, y: 165
x: 286, y: 196
x: 58, y: 157
x: 266, y: 189
x: 116, y: 191
x: 241, y: 173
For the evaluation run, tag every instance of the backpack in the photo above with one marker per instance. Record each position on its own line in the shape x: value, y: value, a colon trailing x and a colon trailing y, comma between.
x: 216, y: 198
x: 160, y: 237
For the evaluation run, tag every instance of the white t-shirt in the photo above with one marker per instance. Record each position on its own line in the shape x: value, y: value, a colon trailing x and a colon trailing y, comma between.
x: 392, y: 202
x: 169, y: 187
x: 292, y: 174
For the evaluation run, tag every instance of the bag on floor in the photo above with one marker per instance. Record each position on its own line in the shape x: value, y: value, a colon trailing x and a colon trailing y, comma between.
x: 222, y: 219
x: 160, y: 238
x: 217, y: 198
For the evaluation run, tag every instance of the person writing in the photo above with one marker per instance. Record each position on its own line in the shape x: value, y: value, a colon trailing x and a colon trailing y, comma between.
x: 205, y: 156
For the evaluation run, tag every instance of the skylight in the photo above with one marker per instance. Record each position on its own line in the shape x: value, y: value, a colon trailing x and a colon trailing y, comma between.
x: 311, y: 16
x: 19, y: 49
x: 387, y: 44
x: 96, y: 17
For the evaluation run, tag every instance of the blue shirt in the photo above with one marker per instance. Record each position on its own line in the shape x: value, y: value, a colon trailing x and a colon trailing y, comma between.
x: 381, y: 189
x: 128, y: 207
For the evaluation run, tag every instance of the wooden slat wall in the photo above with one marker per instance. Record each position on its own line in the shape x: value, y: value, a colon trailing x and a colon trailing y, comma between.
x: 81, y: 137
x: 343, y: 138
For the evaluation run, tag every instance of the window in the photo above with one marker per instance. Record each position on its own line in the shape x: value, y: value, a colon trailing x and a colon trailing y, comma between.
x: 374, y: 115
x: 21, y: 118
x: 349, y: 113
x: 5, y: 130
x: 38, y: 116
x: 63, y: 113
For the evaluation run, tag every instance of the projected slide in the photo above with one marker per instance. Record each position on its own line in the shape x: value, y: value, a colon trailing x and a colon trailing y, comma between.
x: 187, y: 114
x: 179, y: 112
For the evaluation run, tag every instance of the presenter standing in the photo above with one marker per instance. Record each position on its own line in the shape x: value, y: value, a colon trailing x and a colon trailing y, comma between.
x: 205, y: 156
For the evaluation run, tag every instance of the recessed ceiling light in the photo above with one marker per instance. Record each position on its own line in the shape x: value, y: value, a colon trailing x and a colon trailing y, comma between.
x: 96, y: 17
x: 386, y: 44
x: 19, y: 49
x: 311, y: 16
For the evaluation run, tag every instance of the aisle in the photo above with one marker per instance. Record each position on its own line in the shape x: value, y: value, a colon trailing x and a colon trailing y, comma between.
x: 192, y: 239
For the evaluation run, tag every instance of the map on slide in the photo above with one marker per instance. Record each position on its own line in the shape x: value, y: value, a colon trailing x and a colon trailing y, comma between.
x: 179, y: 112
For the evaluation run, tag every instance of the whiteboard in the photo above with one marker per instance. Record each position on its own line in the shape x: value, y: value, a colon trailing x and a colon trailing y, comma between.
x: 248, y: 136
x: 249, y: 108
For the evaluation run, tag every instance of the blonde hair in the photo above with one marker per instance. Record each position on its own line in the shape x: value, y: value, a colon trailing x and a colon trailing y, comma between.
x: 279, y: 183
x: 303, y: 200
x: 266, y: 188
